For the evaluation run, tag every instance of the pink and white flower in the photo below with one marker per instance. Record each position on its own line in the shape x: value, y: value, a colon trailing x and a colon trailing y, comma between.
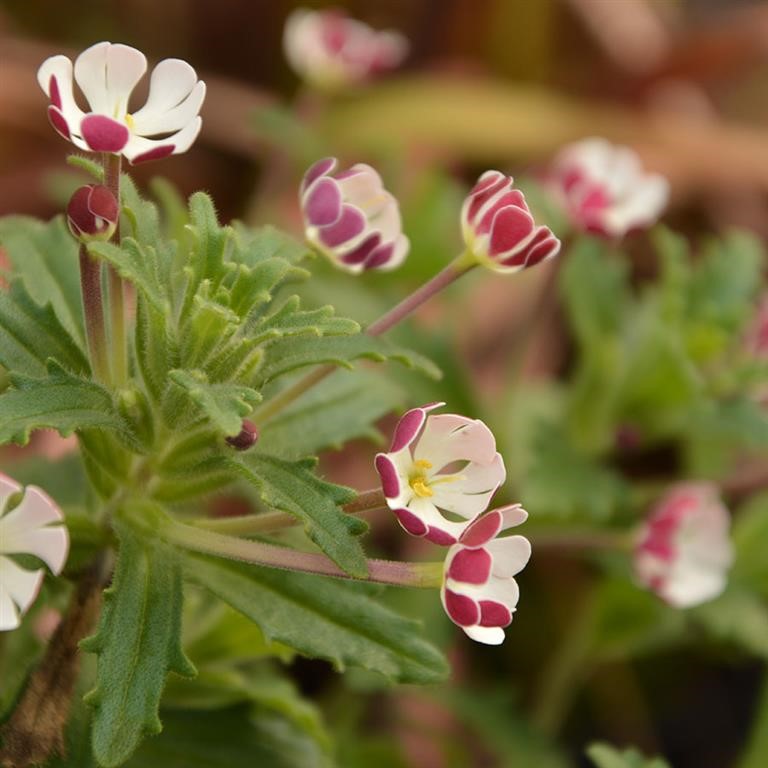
x: 441, y: 471
x: 351, y: 218
x: 498, y: 228
x: 106, y: 74
x: 684, y: 552
x: 31, y: 528
x: 604, y: 189
x: 330, y: 50
x: 479, y: 590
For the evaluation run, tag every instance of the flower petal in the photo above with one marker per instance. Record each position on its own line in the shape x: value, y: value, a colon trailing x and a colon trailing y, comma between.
x: 103, y: 134
x: 140, y: 149
x: 485, y: 635
x: 449, y: 437
x: 19, y: 586
x: 321, y: 204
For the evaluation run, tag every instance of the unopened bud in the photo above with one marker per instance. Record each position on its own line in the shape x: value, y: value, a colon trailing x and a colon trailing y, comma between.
x: 92, y: 213
x: 245, y: 438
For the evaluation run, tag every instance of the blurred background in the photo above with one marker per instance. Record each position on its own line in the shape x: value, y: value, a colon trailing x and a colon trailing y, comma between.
x: 487, y: 83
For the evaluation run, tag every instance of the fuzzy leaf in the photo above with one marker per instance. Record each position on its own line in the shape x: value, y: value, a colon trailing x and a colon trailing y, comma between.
x: 289, y: 320
x: 137, y: 643
x: 45, y: 256
x: 225, y: 405
x: 32, y: 333
x: 267, y: 242
x: 292, y: 487
x: 323, y: 618
x: 62, y: 402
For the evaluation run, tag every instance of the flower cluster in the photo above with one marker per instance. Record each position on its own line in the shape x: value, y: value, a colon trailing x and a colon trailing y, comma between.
x: 438, y: 478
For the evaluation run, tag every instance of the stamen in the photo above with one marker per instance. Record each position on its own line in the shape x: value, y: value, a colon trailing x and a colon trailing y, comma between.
x: 421, y: 489
x: 129, y: 122
x: 423, y: 464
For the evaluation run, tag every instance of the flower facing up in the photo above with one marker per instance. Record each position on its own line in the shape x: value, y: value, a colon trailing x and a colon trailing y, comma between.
x: 437, y: 466
x: 479, y: 590
x: 604, y: 189
x: 330, y: 50
x: 684, y: 552
x: 92, y: 213
x: 107, y: 73
x: 498, y: 228
x: 28, y: 529
x: 351, y: 218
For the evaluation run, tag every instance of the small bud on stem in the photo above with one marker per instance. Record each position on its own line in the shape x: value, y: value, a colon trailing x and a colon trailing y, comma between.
x: 92, y: 213
x: 245, y: 438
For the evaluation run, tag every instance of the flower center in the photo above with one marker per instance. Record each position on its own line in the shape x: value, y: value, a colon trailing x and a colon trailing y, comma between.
x: 418, y: 480
x: 129, y: 122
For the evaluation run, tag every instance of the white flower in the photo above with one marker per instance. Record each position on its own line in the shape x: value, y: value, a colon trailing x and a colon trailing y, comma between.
x: 330, y: 50
x: 27, y: 529
x: 479, y: 590
x: 441, y: 472
x: 351, y: 218
x: 107, y: 73
x: 604, y: 189
x: 683, y: 552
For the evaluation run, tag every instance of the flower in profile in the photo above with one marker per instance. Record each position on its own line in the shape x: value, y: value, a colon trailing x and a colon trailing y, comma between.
x: 683, y: 552
x: 107, y: 73
x: 351, y: 218
x: 498, y: 228
x: 440, y: 472
x: 92, y: 213
x: 330, y: 50
x: 30, y: 528
x: 604, y: 189
x: 479, y: 590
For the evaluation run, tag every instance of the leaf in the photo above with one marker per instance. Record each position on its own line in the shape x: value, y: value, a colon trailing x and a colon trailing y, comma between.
x: 210, y: 240
x: 62, y: 402
x: 343, y: 407
x: 286, y: 355
x: 605, y: 756
x: 293, y: 488
x: 288, y: 320
x: 45, y: 256
x: 32, y: 334
x: 138, y: 643
x: 268, y: 242
x: 225, y: 405
x: 322, y: 618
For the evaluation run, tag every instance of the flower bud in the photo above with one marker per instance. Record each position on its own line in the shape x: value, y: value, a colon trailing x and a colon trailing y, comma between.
x: 245, y: 438
x: 92, y: 213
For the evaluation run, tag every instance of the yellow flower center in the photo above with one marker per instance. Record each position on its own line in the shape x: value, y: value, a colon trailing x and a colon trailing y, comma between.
x: 129, y: 122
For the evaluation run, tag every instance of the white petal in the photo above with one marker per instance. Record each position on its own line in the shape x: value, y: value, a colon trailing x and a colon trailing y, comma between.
x: 60, y: 67
x: 8, y: 488
x: 510, y: 555
x: 430, y: 515
x: 363, y: 187
x: 181, y: 141
x: 485, y: 635
x: 19, y: 584
x: 9, y: 616
x: 448, y: 437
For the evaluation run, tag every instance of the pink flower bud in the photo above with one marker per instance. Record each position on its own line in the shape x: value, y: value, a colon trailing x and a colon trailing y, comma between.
x: 351, y: 218
x: 92, y: 213
x: 498, y: 228
x: 604, y: 189
x: 245, y: 438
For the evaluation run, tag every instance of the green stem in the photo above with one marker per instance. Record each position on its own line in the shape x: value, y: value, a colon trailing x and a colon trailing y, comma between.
x: 428, y: 575
x: 458, y: 267
x: 118, y: 337
x: 93, y: 309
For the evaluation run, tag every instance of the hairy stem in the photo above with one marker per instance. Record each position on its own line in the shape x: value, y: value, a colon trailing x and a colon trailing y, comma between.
x: 93, y: 309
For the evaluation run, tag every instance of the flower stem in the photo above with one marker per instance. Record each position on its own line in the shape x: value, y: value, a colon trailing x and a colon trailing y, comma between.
x: 452, y: 272
x: 93, y: 308
x: 119, y: 342
x: 428, y: 575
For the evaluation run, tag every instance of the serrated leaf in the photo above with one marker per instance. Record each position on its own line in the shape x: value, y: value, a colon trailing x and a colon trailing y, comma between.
x: 138, y: 644
x: 293, y: 488
x: 341, y: 408
x: 289, y: 320
x: 285, y: 355
x: 210, y: 239
x: 225, y: 405
x: 62, y: 402
x: 605, y: 756
x: 32, y: 333
x: 140, y: 218
x: 322, y: 617
x: 45, y: 256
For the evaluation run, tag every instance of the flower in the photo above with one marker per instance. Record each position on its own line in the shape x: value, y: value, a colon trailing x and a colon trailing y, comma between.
x: 683, y: 552
x: 479, y: 591
x: 604, y: 190
x: 92, y: 213
x: 330, y: 50
x: 27, y: 529
x: 246, y: 438
x: 107, y: 73
x: 498, y: 228
x: 439, y: 465
x: 351, y: 218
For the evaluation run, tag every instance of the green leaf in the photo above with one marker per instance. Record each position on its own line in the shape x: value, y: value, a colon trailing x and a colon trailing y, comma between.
x: 32, y: 334
x: 225, y: 405
x: 210, y: 240
x: 138, y: 643
x: 288, y: 320
x: 45, y: 256
x: 323, y: 618
x: 62, y: 402
x: 292, y: 487
x: 605, y: 756
x: 268, y: 242
x: 286, y: 355
x: 342, y: 407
